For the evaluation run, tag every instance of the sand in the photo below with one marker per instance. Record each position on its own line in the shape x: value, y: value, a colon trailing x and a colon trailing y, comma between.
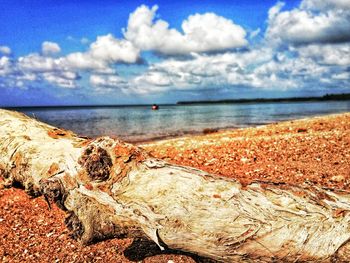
x: 308, y: 151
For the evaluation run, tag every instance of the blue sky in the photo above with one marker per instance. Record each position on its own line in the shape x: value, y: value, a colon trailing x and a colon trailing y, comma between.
x: 86, y: 52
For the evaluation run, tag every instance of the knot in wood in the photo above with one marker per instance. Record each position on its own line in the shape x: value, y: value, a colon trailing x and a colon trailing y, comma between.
x: 97, y: 162
x: 52, y: 188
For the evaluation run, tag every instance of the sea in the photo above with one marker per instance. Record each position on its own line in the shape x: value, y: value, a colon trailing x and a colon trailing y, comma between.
x: 141, y: 123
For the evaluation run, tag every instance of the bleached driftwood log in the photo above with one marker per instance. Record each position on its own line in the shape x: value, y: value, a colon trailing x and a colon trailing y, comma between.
x: 113, y: 189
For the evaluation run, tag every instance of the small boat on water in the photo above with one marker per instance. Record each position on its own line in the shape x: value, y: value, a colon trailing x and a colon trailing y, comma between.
x: 155, y: 107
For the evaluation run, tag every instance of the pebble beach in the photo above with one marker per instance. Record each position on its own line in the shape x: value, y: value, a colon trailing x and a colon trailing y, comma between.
x: 301, y: 152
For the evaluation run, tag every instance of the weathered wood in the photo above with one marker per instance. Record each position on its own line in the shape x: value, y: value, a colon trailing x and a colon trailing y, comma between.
x: 114, y: 189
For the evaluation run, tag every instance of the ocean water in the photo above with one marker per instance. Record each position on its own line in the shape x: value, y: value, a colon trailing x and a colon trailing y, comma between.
x: 140, y: 123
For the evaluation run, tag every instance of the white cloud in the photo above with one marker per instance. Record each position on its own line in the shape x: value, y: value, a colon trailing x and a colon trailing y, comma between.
x: 314, y: 21
x: 325, y: 4
x: 5, y: 50
x: 342, y: 76
x: 37, y: 63
x: 84, y: 61
x: 11, y: 76
x: 63, y: 71
x: 44, y: 68
x: 112, y: 50
x: 6, y: 66
x: 291, y: 68
x: 108, y: 83
x: 336, y: 55
x: 50, y: 48
x: 204, y: 72
x: 105, y: 51
x: 154, y: 78
x: 259, y: 68
x: 201, y: 33
x: 63, y: 79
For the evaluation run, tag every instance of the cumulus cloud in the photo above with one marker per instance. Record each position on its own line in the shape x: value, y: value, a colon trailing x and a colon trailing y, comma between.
x: 84, y: 61
x: 6, y: 66
x: 65, y: 79
x: 5, y: 50
x: 108, y: 83
x: 50, y: 48
x: 113, y: 50
x: 11, y: 76
x: 106, y: 50
x: 37, y: 63
x: 314, y: 21
x: 201, y: 33
x: 36, y: 67
x: 259, y: 68
x: 204, y: 72
x: 64, y: 71
x: 321, y: 5
x: 336, y: 55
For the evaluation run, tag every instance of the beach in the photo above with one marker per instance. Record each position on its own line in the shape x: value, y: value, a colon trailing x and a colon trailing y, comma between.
x: 139, y: 123
x: 314, y: 150
x: 301, y: 152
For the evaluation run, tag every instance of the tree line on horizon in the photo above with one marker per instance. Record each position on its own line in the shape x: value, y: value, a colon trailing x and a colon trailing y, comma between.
x: 327, y: 97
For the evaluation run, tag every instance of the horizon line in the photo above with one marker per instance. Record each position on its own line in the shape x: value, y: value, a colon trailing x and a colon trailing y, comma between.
x: 327, y: 96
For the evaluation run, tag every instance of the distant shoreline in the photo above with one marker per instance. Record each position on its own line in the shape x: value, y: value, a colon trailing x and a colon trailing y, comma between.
x: 327, y: 97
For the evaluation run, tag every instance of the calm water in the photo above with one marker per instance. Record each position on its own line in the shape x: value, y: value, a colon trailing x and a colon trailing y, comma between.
x: 139, y: 123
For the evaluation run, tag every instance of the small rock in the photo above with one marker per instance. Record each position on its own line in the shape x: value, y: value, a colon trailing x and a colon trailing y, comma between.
x: 244, y: 160
x: 337, y: 178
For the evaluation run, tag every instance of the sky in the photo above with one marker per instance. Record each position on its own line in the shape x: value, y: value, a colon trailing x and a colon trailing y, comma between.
x: 140, y: 52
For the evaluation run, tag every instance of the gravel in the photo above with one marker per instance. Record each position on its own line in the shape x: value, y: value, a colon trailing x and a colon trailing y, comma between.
x: 309, y: 151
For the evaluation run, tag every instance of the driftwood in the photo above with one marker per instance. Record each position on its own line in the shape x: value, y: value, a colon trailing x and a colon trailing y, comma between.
x: 113, y: 189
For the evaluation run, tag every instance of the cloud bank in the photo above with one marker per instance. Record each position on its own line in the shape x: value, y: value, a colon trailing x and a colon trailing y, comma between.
x: 304, y: 48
